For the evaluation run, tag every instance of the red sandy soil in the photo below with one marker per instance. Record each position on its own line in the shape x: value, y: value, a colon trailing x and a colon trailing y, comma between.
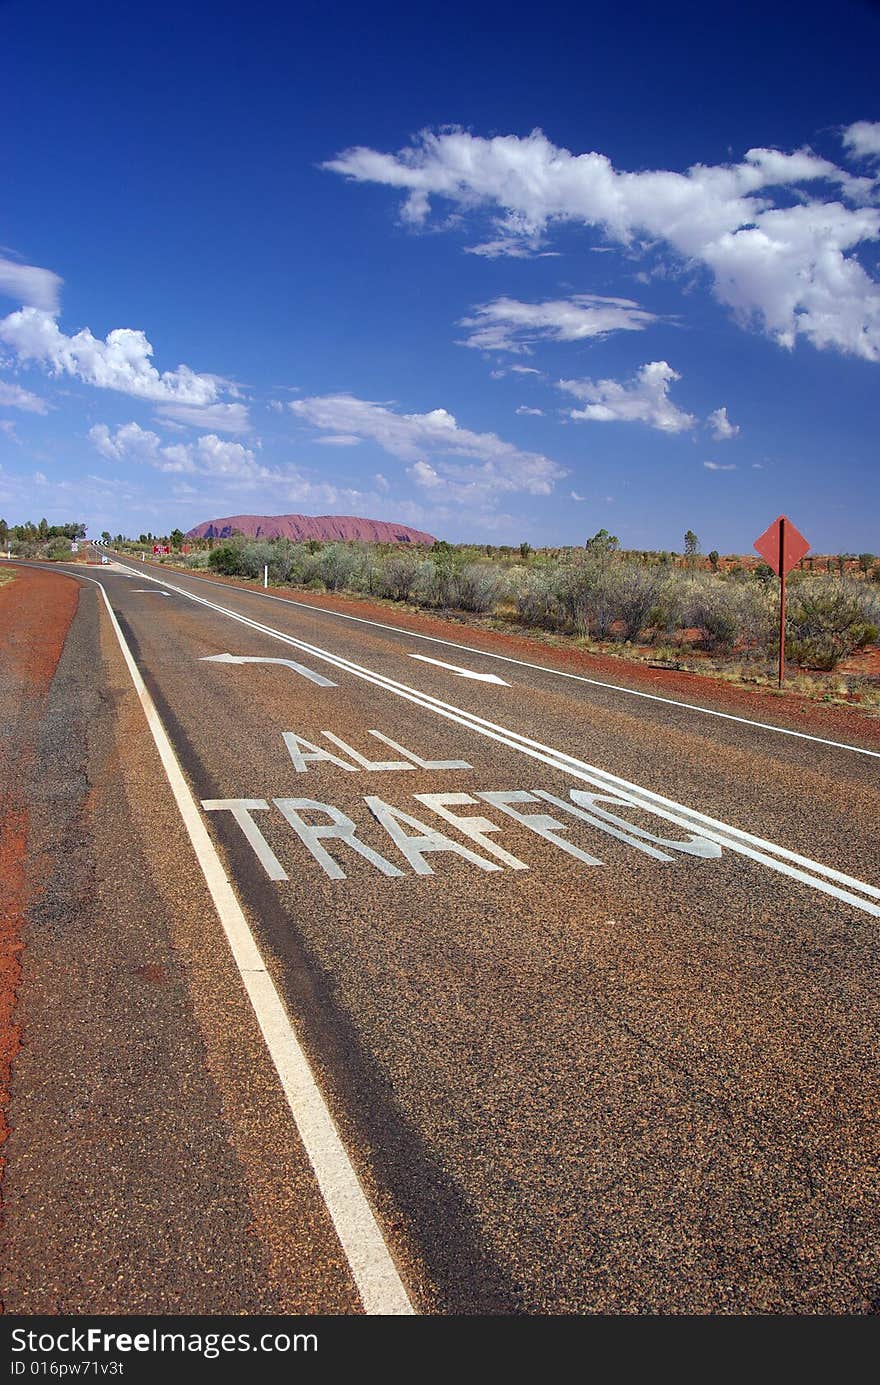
x: 36, y: 609
x: 788, y: 708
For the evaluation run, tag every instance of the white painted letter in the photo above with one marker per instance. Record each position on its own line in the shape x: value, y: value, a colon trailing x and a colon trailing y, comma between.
x: 362, y: 759
x: 340, y: 827
x: 542, y: 823
x: 422, y: 764
x: 241, y: 809
x: 293, y: 743
x: 635, y: 836
x: 414, y: 848
x: 475, y: 828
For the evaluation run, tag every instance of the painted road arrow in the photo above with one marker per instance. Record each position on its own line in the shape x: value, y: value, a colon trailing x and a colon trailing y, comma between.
x: 462, y: 672
x: 318, y: 678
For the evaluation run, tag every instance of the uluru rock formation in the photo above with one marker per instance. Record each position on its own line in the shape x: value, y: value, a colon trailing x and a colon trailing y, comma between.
x: 327, y: 528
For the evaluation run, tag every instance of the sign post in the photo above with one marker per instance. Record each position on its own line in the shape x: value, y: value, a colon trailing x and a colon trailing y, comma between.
x: 782, y: 547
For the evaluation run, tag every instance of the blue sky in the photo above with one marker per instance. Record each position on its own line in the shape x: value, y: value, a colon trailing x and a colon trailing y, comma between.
x: 499, y: 275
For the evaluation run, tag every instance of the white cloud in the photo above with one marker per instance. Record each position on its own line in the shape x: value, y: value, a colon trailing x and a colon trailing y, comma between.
x: 8, y: 427
x: 574, y: 495
x: 14, y: 397
x: 863, y: 138
x: 230, y: 465
x: 788, y: 267
x: 225, y: 418
x: 645, y: 399
x: 721, y: 426
x: 340, y: 440
x: 718, y: 466
x: 524, y: 370
x: 524, y: 409
x: 120, y: 362
x: 27, y: 284
x: 506, y: 324
x: 436, y: 434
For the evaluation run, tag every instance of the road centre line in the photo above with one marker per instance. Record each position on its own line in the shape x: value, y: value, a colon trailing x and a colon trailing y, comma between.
x: 826, y: 879
x: 523, y: 663
x: 375, y: 1274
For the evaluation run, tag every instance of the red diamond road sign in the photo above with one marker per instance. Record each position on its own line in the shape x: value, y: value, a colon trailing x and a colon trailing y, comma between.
x: 793, y: 546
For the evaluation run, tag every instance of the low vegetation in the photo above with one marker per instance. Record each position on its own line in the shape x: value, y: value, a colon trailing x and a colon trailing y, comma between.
x: 722, y: 611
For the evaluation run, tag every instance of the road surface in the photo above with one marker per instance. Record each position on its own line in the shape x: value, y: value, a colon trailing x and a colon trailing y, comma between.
x: 408, y: 979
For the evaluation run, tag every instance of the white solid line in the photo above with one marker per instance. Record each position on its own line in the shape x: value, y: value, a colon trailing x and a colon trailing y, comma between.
x: 736, y: 839
x: 378, y: 1282
x: 523, y: 663
x: 462, y: 672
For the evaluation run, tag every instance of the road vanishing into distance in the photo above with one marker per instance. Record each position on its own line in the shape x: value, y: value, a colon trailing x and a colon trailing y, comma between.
x: 398, y: 977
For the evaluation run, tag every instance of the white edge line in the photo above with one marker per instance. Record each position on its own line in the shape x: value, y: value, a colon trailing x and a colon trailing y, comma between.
x: 735, y: 838
x: 523, y: 663
x: 375, y: 1274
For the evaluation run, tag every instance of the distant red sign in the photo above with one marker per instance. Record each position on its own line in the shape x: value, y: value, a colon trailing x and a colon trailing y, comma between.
x: 782, y: 546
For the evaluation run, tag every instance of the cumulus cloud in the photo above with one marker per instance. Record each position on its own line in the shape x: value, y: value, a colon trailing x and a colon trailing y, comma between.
x: 225, y: 418
x: 30, y: 285
x: 122, y: 361
x: 718, y: 466
x: 721, y: 426
x: 14, y: 397
x: 863, y: 138
x: 423, y: 438
x: 230, y: 465
x: 788, y: 268
x: 644, y: 399
x: 506, y: 324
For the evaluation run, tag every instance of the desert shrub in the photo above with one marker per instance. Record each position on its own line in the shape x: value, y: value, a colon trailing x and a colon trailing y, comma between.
x: 758, y: 616
x: 435, y: 583
x: 825, y: 623
x: 666, y: 617
x: 533, y: 592
x: 255, y: 555
x: 226, y: 558
x: 337, y: 566
x: 576, y: 592
x: 397, y: 574
x: 711, y: 607
x: 58, y: 550
x: 478, y: 587
x: 633, y: 591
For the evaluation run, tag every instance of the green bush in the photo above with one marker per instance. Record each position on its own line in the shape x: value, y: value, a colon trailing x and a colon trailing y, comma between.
x: 826, y: 622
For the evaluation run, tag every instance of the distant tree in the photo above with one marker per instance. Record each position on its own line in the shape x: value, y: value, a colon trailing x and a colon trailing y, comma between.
x: 603, y: 542
x: 106, y: 536
x: 4, y: 531
x: 691, y: 548
x: 43, y: 530
x: 524, y: 550
x: 866, y: 561
x: 176, y: 538
x: 713, y: 559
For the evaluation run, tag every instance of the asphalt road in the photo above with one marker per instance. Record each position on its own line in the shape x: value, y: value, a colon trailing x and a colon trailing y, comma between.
x: 587, y: 980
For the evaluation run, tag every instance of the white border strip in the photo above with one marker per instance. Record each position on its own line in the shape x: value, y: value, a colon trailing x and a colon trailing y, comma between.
x: 523, y: 663
x: 378, y: 1282
x: 779, y: 858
